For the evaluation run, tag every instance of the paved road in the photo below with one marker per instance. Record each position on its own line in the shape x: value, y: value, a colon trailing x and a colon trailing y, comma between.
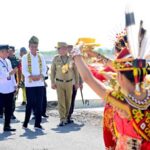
x: 76, y: 136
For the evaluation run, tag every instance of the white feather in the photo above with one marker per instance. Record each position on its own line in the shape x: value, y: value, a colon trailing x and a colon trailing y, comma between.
x: 144, y: 43
x: 132, y: 34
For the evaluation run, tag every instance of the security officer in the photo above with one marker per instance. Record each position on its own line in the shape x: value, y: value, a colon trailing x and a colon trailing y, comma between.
x: 62, y: 71
x: 11, y: 56
x: 15, y: 63
x: 7, y: 86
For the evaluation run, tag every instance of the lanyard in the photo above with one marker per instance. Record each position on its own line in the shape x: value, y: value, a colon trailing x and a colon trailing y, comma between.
x: 5, y: 65
x: 64, y: 62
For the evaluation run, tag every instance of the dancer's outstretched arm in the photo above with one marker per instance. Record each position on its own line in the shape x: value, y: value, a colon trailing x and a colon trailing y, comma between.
x: 87, y: 76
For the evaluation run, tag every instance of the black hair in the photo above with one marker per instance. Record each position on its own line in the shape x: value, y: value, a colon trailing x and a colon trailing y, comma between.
x: 148, y: 68
x: 129, y: 75
x: 122, y: 43
x: 125, y: 39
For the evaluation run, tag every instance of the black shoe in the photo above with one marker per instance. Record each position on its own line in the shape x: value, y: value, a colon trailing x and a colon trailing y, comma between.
x: 70, y: 121
x: 61, y: 124
x: 23, y: 103
x: 45, y: 116
x: 24, y: 126
x: 9, y: 129
x: 13, y: 117
x: 1, y: 116
x: 39, y: 127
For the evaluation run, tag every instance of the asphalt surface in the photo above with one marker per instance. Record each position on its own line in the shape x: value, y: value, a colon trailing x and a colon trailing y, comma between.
x: 76, y: 136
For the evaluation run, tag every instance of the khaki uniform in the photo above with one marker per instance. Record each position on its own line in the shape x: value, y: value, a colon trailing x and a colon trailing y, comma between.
x: 64, y: 82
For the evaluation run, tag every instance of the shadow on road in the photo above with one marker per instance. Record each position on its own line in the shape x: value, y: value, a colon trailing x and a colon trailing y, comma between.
x: 32, y: 121
x: 12, y: 121
x: 5, y: 136
x: 68, y: 128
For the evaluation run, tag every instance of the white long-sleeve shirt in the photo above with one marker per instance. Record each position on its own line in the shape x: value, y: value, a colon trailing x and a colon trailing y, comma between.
x: 6, y: 85
x: 35, y: 70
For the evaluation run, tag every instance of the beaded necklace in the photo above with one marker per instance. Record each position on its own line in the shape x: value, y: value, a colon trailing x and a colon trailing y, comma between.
x: 30, y: 65
x: 139, y: 104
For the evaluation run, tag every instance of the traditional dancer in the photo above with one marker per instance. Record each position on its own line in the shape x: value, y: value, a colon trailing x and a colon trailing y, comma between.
x: 132, y: 102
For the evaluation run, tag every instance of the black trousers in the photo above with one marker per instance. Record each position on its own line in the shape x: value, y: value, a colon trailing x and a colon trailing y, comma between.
x: 6, y: 101
x: 74, y: 93
x: 13, y: 106
x: 1, y: 107
x: 14, y: 99
x: 34, y: 102
x: 44, y: 105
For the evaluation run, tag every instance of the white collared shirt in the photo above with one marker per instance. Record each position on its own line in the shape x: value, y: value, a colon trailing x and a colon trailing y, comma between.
x: 6, y: 85
x: 35, y: 70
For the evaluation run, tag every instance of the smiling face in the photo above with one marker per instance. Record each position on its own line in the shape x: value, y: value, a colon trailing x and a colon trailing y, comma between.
x: 33, y: 48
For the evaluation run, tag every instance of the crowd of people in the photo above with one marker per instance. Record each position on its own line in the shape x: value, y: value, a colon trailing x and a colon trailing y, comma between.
x: 30, y: 73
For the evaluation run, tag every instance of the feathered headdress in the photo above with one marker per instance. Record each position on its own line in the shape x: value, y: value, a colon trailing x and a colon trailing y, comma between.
x: 139, y: 48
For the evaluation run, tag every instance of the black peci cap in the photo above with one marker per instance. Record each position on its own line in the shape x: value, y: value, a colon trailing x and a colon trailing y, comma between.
x: 4, y: 47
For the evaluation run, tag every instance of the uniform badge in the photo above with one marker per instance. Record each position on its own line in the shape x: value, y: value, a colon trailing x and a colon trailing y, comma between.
x: 65, y: 68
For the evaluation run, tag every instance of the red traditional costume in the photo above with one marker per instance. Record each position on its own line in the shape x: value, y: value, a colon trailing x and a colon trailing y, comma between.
x: 133, y: 132
x: 130, y: 116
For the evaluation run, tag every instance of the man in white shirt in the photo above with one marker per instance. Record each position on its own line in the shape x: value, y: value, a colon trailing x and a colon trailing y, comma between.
x: 7, y: 86
x: 34, y: 70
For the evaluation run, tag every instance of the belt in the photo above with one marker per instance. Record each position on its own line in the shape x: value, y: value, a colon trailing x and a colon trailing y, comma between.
x: 63, y: 80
